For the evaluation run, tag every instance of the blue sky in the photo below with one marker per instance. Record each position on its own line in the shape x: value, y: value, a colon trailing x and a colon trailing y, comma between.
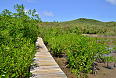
x: 66, y: 10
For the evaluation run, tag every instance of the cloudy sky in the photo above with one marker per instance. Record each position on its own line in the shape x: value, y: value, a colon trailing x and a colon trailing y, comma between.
x: 66, y: 10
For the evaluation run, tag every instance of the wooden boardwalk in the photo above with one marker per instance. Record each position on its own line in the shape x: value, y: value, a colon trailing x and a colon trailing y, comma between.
x: 44, y: 64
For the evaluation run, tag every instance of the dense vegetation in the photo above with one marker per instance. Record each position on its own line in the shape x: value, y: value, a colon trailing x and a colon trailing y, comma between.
x: 18, y: 34
x: 79, y: 50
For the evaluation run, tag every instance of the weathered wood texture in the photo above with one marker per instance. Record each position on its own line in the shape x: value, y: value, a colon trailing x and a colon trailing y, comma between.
x: 44, y: 64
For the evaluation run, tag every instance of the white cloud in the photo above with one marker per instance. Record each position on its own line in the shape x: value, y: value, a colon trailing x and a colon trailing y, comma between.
x: 26, y: 10
x: 46, y: 13
x: 111, y: 1
x: 30, y: 0
x: 36, y: 13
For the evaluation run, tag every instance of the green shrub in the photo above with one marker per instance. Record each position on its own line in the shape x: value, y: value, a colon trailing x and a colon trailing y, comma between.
x: 18, y: 34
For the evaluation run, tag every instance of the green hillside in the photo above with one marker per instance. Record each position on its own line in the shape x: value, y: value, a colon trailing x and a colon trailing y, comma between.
x: 86, y: 26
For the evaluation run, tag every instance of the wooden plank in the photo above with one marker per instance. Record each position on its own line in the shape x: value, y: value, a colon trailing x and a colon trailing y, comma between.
x: 44, y: 64
x: 49, y: 75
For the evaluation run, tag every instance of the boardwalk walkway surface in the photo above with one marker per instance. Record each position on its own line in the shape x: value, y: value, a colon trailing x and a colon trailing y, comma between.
x: 44, y: 64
